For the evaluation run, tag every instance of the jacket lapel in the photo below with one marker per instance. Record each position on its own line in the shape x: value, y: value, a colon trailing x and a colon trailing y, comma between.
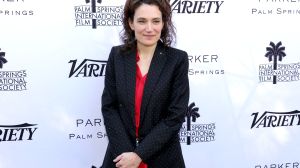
x: 157, y: 64
x: 158, y: 61
x: 130, y: 72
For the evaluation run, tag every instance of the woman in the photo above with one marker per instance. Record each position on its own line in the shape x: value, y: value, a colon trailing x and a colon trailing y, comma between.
x: 146, y: 91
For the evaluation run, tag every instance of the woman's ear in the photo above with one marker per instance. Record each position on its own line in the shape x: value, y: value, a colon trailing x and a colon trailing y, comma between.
x: 130, y: 22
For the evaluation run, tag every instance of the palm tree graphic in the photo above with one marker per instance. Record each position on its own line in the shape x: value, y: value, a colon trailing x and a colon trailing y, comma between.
x: 2, y: 59
x: 192, y: 112
x: 93, y: 4
x: 275, y: 52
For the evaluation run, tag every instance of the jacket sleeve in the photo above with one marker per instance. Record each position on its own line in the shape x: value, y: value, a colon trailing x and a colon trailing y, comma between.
x: 117, y: 135
x: 168, y: 127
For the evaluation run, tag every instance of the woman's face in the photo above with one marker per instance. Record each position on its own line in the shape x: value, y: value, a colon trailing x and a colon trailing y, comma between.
x: 147, y: 25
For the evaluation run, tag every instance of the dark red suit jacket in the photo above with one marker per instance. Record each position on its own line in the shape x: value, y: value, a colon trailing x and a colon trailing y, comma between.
x: 164, y: 104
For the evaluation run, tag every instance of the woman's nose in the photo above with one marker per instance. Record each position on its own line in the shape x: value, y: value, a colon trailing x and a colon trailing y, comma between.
x: 149, y: 27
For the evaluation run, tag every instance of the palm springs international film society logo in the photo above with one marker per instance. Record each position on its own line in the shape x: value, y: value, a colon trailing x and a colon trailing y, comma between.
x: 94, y: 14
x: 11, y: 80
x: 274, y: 72
x: 196, y: 133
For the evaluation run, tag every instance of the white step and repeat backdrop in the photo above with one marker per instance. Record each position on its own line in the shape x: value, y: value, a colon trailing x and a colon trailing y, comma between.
x: 244, y: 79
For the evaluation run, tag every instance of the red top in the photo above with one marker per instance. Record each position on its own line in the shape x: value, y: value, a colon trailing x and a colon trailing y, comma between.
x: 139, y: 89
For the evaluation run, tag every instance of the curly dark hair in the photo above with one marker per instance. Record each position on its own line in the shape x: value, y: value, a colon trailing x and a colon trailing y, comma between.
x: 168, y: 30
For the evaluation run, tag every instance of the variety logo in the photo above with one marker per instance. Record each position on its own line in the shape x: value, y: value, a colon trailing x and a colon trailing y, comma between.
x: 90, y: 134
x: 276, y: 119
x: 278, y: 72
x: 87, y: 68
x: 280, y: 165
x: 11, y: 80
x: 203, y: 60
x: 188, y: 6
x: 276, y: 7
x: 13, y: 12
x: 196, y: 133
x: 92, y: 14
x: 20, y: 132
